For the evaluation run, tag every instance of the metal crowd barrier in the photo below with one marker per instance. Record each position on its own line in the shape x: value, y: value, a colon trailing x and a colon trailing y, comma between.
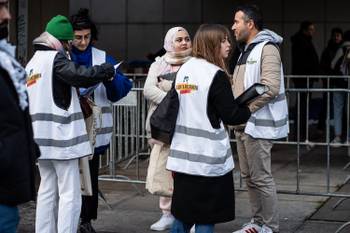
x: 129, y: 140
x: 327, y: 91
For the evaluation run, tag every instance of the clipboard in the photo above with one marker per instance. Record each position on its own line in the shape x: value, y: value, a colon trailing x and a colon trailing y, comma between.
x: 254, y: 91
x: 169, y: 76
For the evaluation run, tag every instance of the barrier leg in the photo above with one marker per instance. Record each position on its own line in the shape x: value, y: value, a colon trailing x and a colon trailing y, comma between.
x: 342, y: 227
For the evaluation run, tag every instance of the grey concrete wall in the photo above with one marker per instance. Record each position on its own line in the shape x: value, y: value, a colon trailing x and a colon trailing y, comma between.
x: 35, y: 14
x: 129, y: 29
x: 39, y: 13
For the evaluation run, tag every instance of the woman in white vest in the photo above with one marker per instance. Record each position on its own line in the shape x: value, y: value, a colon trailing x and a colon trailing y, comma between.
x: 177, y: 44
x: 200, y: 153
x: 84, y: 53
x: 58, y: 125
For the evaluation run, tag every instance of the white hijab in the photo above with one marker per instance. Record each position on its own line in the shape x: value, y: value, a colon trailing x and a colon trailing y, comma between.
x: 171, y: 57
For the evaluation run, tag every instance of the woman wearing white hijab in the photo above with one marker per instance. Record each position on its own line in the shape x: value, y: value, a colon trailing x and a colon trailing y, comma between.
x: 177, y: 44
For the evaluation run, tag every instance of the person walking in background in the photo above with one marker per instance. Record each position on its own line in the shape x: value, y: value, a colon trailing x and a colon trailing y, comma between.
x: 340, y: 65
x: 325, y: 65
x: 85, y: 53
x: 260, y: 62
x: 304, y: 62
x: 18, y: 151
x: 329, y: 52
x: 177, y: 44
x: 304, y: 56
x: 200, y: 153
x: 58, y: 123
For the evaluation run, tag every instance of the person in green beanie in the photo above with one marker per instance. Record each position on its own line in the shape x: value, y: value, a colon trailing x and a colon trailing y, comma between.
x: 60, y: 27
x: 58, y: 124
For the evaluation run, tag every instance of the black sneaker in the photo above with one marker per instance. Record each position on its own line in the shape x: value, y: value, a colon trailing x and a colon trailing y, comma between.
x: 86, y: 228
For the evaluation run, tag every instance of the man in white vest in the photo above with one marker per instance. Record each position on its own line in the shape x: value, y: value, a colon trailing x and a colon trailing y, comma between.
x: 84, y: 53
x: 58, y: 124
x: 259, y: 62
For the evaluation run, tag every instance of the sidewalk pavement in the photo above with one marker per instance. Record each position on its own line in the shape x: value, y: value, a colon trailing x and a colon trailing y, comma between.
x: 134, y: 210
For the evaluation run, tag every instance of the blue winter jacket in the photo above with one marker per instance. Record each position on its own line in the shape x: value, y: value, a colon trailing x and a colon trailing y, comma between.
x: 117, y: 89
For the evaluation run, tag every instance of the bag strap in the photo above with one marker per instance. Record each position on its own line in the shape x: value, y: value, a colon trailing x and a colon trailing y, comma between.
x: 84, y: 104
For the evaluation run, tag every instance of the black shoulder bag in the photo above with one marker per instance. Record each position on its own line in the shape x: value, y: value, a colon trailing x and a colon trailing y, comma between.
x: 163, y: 119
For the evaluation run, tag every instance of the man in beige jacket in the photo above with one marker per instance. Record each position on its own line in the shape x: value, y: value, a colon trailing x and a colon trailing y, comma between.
x: 259, y: 61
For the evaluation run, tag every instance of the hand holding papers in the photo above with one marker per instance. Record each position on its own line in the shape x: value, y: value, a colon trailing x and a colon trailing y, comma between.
x: 116, y: 68
x: 251, y: 93
x: 90, y: 90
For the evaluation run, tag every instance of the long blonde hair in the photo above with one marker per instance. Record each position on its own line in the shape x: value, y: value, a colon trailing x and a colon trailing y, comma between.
x: 207, y: 43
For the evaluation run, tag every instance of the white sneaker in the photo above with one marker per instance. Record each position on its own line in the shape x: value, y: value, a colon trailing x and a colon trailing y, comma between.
x: 265, y: 229
x: 336, y: 142
x: 193, y: 229
x: 165, y: 222
x: 250, y: 228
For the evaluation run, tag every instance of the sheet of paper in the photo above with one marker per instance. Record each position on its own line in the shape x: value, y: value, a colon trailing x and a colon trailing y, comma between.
x: 117, y: 65
x: 88, y: 91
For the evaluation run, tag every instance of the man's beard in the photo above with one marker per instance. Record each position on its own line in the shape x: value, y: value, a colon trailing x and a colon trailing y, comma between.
x: 4, y: 32
x: 243, y: 37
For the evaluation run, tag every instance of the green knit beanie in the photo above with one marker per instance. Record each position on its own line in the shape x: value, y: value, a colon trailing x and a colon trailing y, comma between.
x: 60, y: 27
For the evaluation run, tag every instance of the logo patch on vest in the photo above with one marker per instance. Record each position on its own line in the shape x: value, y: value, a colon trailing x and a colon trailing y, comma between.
x: 185, y: 87
x: 32, y: 78
x: 251, y: 61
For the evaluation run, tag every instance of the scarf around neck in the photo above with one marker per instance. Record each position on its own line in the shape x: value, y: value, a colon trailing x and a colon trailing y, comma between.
x: 15, y: 71
x: 82, y: 57
x: 50, y: 41
x: 177, y: 58
x: 170, y: 59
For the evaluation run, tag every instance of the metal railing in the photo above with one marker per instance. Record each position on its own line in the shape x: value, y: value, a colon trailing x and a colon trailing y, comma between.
x: 129, y: 140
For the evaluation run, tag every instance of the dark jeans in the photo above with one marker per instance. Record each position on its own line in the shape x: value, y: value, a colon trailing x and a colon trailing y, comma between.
x: 9, y: 219
x: 90, y: 203
x: 181, y: 227
x: 302, y: 83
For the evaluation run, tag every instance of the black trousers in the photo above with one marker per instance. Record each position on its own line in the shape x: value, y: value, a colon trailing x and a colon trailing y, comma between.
x: 323, y: 112
x: 302, y: 83
x: 90, y: 203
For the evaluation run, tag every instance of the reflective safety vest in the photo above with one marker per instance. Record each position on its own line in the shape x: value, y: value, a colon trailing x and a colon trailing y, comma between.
x: 197, y: 148
x: 60, y: 134
x: 271, y: 121
x: 105, y: 126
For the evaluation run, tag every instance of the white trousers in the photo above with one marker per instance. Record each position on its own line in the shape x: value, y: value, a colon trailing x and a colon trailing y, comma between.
x: 59, y: 197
